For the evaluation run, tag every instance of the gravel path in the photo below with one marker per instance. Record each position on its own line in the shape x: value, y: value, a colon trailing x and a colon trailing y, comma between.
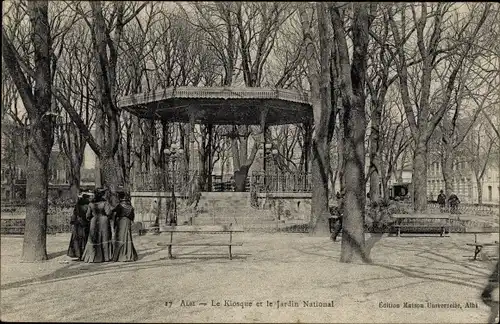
x: 290, y: 268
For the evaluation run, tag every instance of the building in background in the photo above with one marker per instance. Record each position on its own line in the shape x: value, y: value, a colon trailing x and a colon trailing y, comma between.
x: 464, y: 182
x: 479, y: 150
x: 13, y: 165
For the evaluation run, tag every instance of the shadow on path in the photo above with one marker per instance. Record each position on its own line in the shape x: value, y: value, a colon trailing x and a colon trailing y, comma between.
x: 76, y: 269
x: 54, y: 255
x: 462, y: 273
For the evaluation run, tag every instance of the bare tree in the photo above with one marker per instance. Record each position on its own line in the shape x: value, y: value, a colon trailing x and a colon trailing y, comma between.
x: 379, y: 81
x: 14, y: 152
x: 318, y: 74
x: 285, y: 139
x: 394, y: 141
x: 105, y: 48
x: 217, y: 21
x: 74, y: 75
x: 478, y: 146
x: 37, y: 98
x: 431, y: 43
x: 353, y: 78
x: 455, y: 125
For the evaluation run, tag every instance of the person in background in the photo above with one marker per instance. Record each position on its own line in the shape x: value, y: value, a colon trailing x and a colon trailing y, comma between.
x: 490, y: 295
x: 99, y: 246
x: 441, y: 199
x: 124, y: 249
x: 80, y: 228
x: 336, y: 226
x: 453, y: 201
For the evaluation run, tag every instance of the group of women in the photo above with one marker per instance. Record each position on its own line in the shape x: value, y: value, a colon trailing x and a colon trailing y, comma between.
x: 91, y: 238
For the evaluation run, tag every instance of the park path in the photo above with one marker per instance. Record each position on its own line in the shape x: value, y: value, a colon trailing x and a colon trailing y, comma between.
x: 291, y: 268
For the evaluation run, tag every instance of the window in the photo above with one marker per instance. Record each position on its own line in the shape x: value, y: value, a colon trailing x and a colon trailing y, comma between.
x: 490, y: 193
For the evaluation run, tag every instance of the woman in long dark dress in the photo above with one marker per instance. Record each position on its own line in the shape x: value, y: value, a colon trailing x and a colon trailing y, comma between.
x: 99, y: 246
x: 124, y: 249
x: 80, y: 230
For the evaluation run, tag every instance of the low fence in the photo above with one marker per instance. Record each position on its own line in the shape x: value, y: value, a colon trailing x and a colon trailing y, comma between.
x: 280, y: 182
x: 13, y: 219
x: 462, y: 208
x: 163, y: 181
x: 469, y: 217
x: 160, y: 181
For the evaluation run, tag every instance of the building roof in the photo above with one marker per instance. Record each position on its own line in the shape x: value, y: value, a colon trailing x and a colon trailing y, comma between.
x: 221, y: 106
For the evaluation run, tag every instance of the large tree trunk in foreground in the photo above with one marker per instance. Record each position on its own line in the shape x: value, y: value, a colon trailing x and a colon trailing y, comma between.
x: 110, y: 175
x: 37, y: 99
x: 419, y: 177
x: 319, y: 179
x: 320, y: 166
x: 353, y: 78
x: 35, y: 239
x: 355, y: 190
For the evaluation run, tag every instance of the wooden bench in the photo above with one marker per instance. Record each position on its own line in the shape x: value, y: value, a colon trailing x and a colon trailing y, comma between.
x: 422, y: 222
x: 478, y: 247
x: 216, y: 229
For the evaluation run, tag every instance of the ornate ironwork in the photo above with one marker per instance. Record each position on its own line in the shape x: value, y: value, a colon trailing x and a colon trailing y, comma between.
x: 213, y: 92
x: 280, y: 181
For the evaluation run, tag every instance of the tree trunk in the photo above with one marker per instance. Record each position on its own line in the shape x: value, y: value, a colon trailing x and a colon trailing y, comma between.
x: 374, y: 185
x: 333, y: 180
x: 306, y: 149
x: 375, y: 154
x: 447, y: 171
x: 340, y: 151
x: 37, y: 99
x: 240, y: 177
x: 353, y: 239
x: 321, y: 101
x: 202, y: 167
x: 479, y: 183
x: 385, y: 188
x: 74, y: 151
x: 353, y: 78
x: 74, y: 184
x: 35, y: 240
x: 109, y: 170
x: 419, y: 177
x: 319, y: 177
x: 399, y: 171
x: 375, y: 165
x: 211, y: 153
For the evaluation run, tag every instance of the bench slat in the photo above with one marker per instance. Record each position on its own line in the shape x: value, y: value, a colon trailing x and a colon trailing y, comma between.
x: 212, y: 228
x: 199, y: 244
x: 422, y: 216
x: 482, y: 244
x: 420, y: 225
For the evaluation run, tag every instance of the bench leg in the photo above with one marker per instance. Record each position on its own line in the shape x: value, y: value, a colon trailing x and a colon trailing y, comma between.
x: 476, y: 252
x: 230, y: 255
x: 170, y: 246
